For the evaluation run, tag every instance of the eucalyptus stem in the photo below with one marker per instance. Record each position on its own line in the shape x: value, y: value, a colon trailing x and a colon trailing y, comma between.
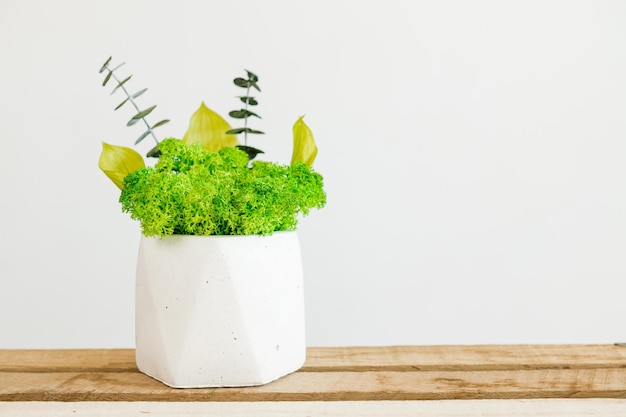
x: 140, y: 114
x: 132, y: 101
x: 244, y: 113
x: 245, y: 120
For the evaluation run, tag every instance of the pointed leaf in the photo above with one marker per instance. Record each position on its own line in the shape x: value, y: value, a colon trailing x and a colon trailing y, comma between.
x: 140, y: 115
x: 209, y: 129
x: 254, y: 84
x: 145, y: 112
x: 118, y: 161
x: 161, y: 123
x: 116, y: 68
x: 143, y: 135
x: 104, y: 66
x: 121, y: 104
x: 236, y: 131
x: 154, y: 152
x: 132, y: 122
x: 138, y: 93
x: 250, y: 100
x: 121, y: 83
x: 149, y: 131
x: 252, y: 76
x: 107, y: 78
x: 304, y: 147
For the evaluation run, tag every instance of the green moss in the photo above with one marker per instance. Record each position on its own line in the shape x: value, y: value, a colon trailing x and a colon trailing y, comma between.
x: 195, y: 192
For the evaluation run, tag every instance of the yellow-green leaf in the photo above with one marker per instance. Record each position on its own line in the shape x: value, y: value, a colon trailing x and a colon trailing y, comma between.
x: 304, y: 147
x: 209, y: 130
x: 118, y: 161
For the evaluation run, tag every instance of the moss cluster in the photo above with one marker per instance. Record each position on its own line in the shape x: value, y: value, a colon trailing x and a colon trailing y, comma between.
x: 191, y: 191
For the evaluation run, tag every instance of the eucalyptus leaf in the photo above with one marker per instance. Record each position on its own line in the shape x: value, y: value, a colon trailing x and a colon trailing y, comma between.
x: 254, y: 84
x: 121, y: 83
x: 138, y: 93
x: 132, y: 121
x: 121, y: 104
x: 161, y: 123
x: 249, y: 100
x: 154, y: 152
x: 143, y: 135
x: 104, y: 66
x: 107, y: 78
x: 238, y: 130
x: 116, y: 68
x: 252, y: 76
x: 240, y: 82
x: 252, y: 152
x: 144, y: 113
x: 242, y: 114
x: 235, y: 131
x: 238, y: 114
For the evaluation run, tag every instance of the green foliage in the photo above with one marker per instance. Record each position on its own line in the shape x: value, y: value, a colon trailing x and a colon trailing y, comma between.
x: 130, y: 98
x: 251, y: 81
x: 195, y: 192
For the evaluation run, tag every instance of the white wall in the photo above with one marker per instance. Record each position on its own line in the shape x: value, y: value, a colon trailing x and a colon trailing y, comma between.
x: 473, y: 154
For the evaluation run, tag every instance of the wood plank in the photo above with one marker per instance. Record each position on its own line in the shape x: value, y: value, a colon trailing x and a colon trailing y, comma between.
x: 446, y: 408
x: 68, y: 360
x: 336, y: 374
x: 325, y: 386
x: 466, y: 357
x: 338, y: 359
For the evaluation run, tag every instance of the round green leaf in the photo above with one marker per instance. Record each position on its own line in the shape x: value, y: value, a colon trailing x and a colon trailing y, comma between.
x: 249, y: 100
x: 238, y: 130
x: 242, y: 114
x: 235, y: 131
x: 240, y: 82
x: 252, y: 152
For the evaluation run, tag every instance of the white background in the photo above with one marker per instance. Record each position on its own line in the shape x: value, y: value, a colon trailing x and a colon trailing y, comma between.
x: 473, y: 154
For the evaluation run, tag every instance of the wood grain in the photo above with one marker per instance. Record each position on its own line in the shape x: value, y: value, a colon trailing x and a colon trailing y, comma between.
x: 444, y: 408
x: 337, y: 374
x: 466, y: 357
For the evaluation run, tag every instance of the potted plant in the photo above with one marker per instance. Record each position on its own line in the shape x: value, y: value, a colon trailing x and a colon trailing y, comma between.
x: 219, y: 290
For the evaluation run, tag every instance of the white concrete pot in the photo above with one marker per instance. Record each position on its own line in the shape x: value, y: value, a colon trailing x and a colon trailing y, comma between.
x: 219, y: 311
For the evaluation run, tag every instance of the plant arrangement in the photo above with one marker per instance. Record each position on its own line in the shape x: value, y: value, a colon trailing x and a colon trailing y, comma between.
x: 207, y: 183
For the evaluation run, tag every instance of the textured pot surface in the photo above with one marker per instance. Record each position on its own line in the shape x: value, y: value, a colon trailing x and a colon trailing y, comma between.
x: 219, y: 311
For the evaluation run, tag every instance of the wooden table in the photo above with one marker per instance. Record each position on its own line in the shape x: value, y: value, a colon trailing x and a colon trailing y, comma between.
x: 496, y: 380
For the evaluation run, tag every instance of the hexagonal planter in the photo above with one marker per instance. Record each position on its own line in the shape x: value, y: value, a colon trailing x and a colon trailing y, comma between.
x: 219, y: 311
